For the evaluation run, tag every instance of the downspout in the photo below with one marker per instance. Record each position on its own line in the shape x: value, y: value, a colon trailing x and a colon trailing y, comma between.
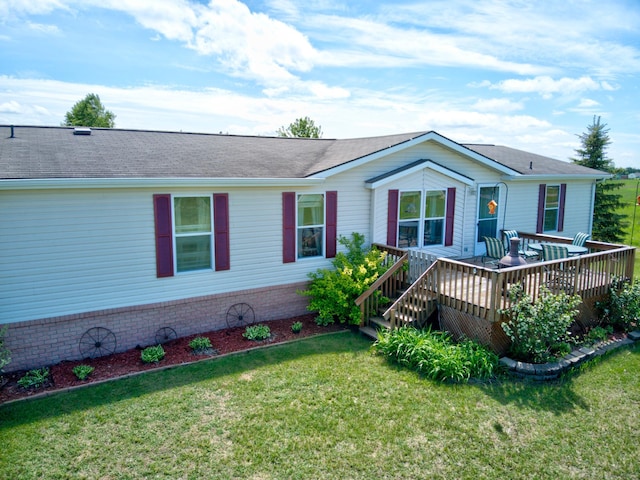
x: 592, y: 206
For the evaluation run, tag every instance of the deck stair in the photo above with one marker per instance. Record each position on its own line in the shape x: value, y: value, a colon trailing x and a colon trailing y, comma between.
x: 375, y: 324
x: 410, y: 305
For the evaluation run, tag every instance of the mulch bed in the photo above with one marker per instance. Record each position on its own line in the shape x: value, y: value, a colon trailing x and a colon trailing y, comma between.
x: 177, y: 352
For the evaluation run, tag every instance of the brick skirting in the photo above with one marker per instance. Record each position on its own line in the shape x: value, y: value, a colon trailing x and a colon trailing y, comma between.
x: 47, y: 341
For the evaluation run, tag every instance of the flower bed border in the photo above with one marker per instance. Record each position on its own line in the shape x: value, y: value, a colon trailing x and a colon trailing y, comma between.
x: 552, y: 370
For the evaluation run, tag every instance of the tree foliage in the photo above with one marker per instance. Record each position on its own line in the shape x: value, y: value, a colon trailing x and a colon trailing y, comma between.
x: 89, y: 112
x: 334, y: 291
x: 608, y: 226
x: 301, y: 128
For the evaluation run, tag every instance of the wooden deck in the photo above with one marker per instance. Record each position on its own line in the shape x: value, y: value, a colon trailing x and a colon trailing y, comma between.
x: 475, y: 293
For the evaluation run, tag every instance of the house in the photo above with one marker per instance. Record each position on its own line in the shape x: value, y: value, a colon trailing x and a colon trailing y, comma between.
x: 134, y: 231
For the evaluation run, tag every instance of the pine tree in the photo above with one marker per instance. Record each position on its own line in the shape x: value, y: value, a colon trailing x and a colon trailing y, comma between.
x: 608, y: 225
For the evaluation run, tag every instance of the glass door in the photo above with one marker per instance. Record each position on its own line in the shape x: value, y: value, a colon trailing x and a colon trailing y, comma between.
x: 488, y: 214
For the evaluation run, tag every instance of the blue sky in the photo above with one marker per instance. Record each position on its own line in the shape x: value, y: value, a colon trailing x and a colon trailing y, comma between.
x: 529, y: 75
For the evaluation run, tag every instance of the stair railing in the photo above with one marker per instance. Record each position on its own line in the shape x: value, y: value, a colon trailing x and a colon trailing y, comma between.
x: 417, y: 303
x: 387, y: 285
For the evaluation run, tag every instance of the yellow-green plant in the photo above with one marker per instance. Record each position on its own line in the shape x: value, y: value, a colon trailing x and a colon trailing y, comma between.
x: 333, y: 291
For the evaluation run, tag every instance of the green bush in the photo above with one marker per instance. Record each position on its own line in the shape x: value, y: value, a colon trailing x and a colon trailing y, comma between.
x: 622, y: 309
x: 597, y: 334
x: 333, y: 291
x: 435, y: 355
x: 257, y: 332
x: 34, y: 378
x: 152, y: 354
x: 200, y: 344
x: 82, y: 371
x: 5, y: 353
x: 539, y: 331
x: 296, y: 327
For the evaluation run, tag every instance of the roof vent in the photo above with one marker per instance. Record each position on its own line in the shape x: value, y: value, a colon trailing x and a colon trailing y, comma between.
x: 82, y: 131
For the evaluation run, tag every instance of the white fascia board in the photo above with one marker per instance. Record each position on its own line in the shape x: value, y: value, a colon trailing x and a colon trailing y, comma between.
x: 78, y: 183
x: 428, y: 164
x: 554, y: 178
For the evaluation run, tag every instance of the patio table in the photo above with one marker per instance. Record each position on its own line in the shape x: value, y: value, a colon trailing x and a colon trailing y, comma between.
x: 572, y: 249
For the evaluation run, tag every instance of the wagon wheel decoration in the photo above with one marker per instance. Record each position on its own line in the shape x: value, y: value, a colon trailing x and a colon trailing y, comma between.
x: 239, y: 315
x: 97, y: 342
x: 165, y: 334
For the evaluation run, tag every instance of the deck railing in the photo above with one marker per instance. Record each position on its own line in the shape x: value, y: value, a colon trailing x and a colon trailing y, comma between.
x: 386, y: 286
x: 483, y: 292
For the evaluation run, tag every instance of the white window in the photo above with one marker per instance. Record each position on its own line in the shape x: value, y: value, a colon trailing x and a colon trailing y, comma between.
x: 193, y: 233
x: 551, y: 208
x: 310, y: 225
x: 421, y: 224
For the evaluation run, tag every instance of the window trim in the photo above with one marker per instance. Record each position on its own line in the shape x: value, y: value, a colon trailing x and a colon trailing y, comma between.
x: 210, y: 234
x: 422, y: 218
x: 298, y: 227
x: 546, y: 208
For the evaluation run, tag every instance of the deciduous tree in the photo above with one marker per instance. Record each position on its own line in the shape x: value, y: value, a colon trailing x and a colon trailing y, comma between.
x: 301, y: 127
x: 89, y: 112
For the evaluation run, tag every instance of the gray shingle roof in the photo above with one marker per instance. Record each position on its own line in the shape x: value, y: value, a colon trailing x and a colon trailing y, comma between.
x: 55, y: 152
x: 527, y: 163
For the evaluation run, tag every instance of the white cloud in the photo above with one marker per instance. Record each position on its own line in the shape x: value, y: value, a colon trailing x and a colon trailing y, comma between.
x: 546, y: 86
x: 10, y: 107
x: 497, y: 105
x: 42, y: 28
x: 588, y: 103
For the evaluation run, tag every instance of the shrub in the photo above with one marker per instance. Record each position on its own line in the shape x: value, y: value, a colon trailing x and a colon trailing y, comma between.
x: 5, y: 353
x: 296, y: 327
x: 333, y: 291
x: 539, y: 331
x: 597, y: 334
x: 82, y: 371
x: 257, y: 332
x: 435, y: 355
x: 200, y: 344
x: 34, y: 378
x: 622, y: 309
x: 152, y: 354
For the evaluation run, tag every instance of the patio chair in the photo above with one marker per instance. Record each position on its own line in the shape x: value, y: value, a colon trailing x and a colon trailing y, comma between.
x: 557, y: 277
x: 508, y: 235
x: 495, y: 250
x: 580, y: 239
x: 554, y: 252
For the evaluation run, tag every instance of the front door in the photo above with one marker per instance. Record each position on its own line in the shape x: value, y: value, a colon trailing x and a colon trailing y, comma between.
x: 488, y: 214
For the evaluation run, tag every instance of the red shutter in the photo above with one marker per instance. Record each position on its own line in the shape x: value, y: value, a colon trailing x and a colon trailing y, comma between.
x: 541, y: 198
x: 332, y: 224
x: 392, y: 218
x: 164, y: 238
x: 221, y: 230
x: 563, y: 196
x: 451, y: 209
x: 288, y: 227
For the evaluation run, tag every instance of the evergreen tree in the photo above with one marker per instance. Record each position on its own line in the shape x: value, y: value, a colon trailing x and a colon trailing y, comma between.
x: 89, y: 112
x: 302, y: 128
x: 608, y: 225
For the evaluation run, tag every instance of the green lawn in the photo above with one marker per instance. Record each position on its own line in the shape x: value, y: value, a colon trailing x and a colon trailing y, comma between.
x: 326, y: 408
x: 628, y: 192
